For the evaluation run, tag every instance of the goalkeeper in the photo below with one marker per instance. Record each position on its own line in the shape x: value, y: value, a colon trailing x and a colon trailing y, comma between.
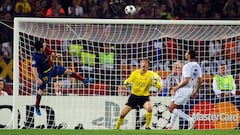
x: 43, y: 69
x: 141, y: 81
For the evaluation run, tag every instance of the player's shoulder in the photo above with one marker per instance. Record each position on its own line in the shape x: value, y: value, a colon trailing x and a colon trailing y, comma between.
x: 190, y: 64
x: 151, y: 72
x: 195, y: 63
x: 35, y: 55
x: 136, y: 71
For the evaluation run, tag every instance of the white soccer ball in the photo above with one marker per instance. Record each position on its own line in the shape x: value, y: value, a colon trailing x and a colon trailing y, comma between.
x: 130, y: 10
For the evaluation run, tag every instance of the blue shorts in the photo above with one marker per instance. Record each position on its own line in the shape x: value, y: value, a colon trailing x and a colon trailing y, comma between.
x: 46, y: 77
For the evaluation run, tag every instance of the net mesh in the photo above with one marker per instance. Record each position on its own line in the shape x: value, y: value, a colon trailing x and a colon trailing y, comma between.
x: 109, y: 52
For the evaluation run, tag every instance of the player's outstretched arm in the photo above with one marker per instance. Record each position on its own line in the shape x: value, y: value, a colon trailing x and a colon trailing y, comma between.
x: 181, y: 84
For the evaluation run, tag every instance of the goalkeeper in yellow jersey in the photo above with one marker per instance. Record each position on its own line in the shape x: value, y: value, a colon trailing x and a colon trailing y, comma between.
x: 141, y: 81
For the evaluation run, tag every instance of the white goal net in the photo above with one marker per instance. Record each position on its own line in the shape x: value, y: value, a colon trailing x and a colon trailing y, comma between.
x: 108, y: 51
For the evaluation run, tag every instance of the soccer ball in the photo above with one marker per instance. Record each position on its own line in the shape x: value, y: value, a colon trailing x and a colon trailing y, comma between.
x: 130, y: 10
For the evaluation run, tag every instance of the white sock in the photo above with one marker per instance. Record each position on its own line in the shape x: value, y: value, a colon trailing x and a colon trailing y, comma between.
x: 172, y: 120
x: 181, y: 114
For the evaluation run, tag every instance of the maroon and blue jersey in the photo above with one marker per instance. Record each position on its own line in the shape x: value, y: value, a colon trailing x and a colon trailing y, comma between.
x: 45, y: 67
x: 42, y: 61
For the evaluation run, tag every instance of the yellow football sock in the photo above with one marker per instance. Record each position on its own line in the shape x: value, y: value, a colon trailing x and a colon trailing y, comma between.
x: 119, y: 122
x: 148, y: 118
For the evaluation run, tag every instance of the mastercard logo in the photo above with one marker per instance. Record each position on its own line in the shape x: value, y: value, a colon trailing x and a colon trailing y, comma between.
x: 223, y: 115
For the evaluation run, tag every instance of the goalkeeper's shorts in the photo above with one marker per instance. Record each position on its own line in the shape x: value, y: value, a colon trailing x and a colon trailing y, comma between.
x: 137, y: 101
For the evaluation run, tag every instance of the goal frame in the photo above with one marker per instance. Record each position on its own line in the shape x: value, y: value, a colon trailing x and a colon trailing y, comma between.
x: 17, y: 20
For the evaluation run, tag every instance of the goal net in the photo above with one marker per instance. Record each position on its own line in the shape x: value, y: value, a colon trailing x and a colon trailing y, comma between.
x: 108, y: 51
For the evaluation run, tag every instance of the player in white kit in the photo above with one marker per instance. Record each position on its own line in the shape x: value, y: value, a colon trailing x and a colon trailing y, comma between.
x: 189, y: 86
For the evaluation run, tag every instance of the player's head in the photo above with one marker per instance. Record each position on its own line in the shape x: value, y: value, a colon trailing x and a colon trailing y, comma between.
x: 190, y: 54
x: 175, y: 67
x: 223, y: 69
x: 38, y: 45
x: 144, y: 64
x: 180, y: 65
x: 57, y: 87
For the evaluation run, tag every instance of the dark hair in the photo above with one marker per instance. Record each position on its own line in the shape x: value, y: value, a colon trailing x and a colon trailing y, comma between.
x: 38, y: 45
x: 192, y: 53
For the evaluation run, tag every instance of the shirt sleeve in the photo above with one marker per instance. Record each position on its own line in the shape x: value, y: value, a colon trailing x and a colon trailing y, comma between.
x: 186, y: 71
x: 200, y: 71
x: 234, y: 88
x: 215, y: 87
x: 130, y: 78
x: 34, y: 61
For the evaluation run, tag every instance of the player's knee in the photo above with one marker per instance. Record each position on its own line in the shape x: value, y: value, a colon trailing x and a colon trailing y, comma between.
x: 41, y: 92
x: 148, y: 107
x: 171, y: 108
x: 68, y: 72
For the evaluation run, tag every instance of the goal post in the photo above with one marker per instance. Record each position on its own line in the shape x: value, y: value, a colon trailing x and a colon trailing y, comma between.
x: 108, y: 50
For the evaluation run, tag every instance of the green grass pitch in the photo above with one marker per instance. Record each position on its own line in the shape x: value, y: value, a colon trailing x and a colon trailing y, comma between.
x: 118, y: 132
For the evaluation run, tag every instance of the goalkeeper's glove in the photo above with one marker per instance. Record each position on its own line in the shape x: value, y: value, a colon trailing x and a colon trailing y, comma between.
x: 126, y: 85
x: 154, y: 81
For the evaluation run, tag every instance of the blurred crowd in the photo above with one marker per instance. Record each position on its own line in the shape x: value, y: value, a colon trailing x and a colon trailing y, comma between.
x: 157, y: 9
x: 146, y: 9
x: 154, y: 9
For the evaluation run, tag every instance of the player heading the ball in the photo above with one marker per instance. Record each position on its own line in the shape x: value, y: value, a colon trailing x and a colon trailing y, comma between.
x: 44, y: 69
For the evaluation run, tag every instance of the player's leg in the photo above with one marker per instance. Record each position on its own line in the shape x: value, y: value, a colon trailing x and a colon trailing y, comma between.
x: 183, y: 115
x: 181, y: 98
x: 173, y: 117
x: 78, y: 76
x: 39, y: 95
x: 170, y: 125
x: 126, y: 109
x: 148, y: 106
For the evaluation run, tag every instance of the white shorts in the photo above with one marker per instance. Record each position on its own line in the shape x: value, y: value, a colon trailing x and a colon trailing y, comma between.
x: 182, y: 95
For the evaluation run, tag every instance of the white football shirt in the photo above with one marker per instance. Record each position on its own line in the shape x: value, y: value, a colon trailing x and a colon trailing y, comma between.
x: 192, y: 70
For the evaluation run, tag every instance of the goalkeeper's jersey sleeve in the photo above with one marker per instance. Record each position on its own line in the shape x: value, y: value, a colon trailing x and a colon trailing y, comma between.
x: 140, y: 83
x: 158, y: 83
